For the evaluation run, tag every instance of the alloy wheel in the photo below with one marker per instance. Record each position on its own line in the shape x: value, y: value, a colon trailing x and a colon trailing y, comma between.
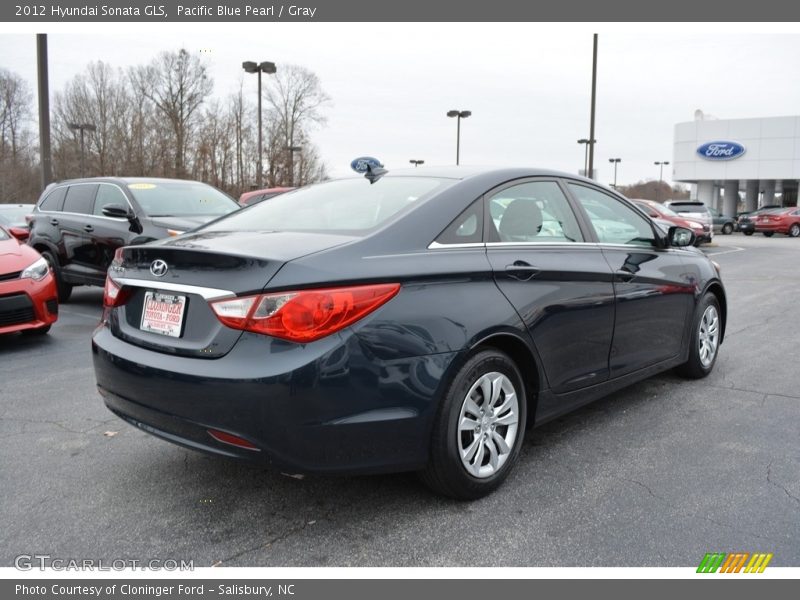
x: 708, y: 336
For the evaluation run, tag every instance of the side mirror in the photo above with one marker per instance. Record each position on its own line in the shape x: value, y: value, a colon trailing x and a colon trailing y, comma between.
x: 118, y: 211
x: 20, y: 233
x: 680, y: 237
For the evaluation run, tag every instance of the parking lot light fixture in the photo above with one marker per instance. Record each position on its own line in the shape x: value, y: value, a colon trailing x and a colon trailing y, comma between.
x: 615, y: 161
x: 586, y: 141
x: 292, y: 150
x: 416, y: 162
x: 82, y: 127
x: 458, y: 115
x: 660, y: 164
x: 270, y: 69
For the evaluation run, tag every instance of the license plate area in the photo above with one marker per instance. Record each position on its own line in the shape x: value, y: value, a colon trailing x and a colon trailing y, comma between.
x: 163, y: 314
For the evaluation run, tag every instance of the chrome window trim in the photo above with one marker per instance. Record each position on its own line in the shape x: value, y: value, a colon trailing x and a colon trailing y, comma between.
x: 206, y: 292
x: 437, y: 246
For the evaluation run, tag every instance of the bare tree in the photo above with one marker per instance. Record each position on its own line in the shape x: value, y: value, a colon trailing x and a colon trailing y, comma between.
x: 177, y: 83
x: 18, y: 180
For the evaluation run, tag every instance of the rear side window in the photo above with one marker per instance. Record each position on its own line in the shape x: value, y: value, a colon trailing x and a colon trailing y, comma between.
x: 108, y: 194
x: 467, y: 228
x: 533, y: 212
x: 54, y: 201
x: 80, y: 198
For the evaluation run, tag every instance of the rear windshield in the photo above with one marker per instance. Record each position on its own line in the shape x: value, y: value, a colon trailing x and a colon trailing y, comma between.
x: 181, y: 199
x: 689, y: 207
x: 348, y: 206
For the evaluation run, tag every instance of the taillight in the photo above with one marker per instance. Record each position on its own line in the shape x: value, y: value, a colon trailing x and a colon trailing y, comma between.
x: 303, y: 315
x: 114, y: 295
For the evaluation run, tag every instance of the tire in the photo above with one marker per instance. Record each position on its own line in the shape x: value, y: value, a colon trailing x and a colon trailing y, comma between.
x: 488, y: 465
x: 39, y: 331
x: 705, y: 337
x: 727, y: 229
x: 794, y: 230
x: 64, y: 289
x: 747, y: 232
x: 768, y: 233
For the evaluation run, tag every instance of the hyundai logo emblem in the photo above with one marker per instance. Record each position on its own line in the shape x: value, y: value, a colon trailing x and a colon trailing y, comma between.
x: 158, y: 267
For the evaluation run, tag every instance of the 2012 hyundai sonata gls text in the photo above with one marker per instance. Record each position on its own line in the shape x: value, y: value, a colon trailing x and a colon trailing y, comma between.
x: 415, y: 321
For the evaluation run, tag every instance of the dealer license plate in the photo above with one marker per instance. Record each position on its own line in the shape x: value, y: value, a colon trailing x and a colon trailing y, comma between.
x: 163, y: 313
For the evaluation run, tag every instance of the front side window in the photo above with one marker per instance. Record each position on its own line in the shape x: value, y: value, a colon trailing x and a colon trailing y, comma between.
x: 108, y: 194
x: 614, y: 222
x: 532, y: 212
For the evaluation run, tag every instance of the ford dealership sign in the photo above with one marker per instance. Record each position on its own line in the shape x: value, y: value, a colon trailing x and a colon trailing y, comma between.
x: 721, y: 150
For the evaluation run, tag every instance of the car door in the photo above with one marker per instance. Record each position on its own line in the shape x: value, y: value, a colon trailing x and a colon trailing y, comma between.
x: 108, y: 233
x: 654, y: 292
x: 75, y: 230
x: 559, y: 284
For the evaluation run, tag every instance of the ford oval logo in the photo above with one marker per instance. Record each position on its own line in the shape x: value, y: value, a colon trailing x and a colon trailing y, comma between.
x: 721, y: 150
x: 360, y: 164
x: 158, y: 267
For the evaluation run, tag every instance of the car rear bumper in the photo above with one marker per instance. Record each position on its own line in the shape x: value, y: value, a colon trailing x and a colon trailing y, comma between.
x: 324, y: 407
x: 27, y: 304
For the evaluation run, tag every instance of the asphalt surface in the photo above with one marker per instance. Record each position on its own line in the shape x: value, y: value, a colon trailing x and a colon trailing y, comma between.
x: 656, y: 475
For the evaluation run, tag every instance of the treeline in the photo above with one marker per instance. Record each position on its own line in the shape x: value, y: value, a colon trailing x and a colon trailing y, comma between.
x: 654, y: 190
x: 162, y: 120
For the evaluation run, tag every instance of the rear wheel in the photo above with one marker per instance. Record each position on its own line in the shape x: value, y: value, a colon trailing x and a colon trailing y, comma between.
x: 794, y: 230
x: 768, y: 233
x: 706, y: 335
x: 727, y: 229
x: 64, y: 289
x: 479, y: 428
x: 747, y: 232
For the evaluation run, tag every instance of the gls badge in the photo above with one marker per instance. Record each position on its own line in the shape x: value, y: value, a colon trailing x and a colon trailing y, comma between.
x: 159, y: 267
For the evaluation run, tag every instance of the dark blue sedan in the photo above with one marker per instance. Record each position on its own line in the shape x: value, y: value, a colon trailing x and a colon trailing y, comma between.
x: 416, y: 321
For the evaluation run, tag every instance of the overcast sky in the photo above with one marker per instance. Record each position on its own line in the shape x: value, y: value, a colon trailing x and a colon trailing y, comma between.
x: 528, y: 84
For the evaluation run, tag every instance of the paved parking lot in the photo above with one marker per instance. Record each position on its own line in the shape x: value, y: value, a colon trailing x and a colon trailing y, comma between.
x: 656, y: 475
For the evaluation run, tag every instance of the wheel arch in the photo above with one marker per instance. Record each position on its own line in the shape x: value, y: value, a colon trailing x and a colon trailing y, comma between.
x: 715, y: 287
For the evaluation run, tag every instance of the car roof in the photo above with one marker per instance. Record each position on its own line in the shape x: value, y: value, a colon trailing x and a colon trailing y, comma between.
x: 125, y: 180
x: 468, y: 172
x: 25, y: 205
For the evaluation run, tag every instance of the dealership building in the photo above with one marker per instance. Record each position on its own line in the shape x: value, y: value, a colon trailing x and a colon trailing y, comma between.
x: 739, y: 164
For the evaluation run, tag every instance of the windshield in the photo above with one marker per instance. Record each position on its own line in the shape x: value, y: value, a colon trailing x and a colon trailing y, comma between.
x: 181, y: 199
x: 346, y: 205
x: 14, y: 216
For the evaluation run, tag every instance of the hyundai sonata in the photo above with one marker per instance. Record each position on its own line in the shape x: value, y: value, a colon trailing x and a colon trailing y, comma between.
x: 414, y: 321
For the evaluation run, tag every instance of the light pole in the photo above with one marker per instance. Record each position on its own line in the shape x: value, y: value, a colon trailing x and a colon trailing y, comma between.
x: 586, y: 156
x: 459, y: 114
x: 416, y: 162
x: 292, y: 150
x: 82, y: 127
x: 592, y: 141
x: 616, y: 161
x: 660, y: 164
x: 270, y: 69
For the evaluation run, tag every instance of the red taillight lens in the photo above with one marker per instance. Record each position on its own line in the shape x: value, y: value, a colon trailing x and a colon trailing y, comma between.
x: 305, y: 315
x: 233, y: 440
x: 114, y: 295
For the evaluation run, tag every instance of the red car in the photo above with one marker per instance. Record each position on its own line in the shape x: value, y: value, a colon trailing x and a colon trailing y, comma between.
x: 779, y: 220
x: 656, y: 210
x: 258, y: 195
x: 27, y: 288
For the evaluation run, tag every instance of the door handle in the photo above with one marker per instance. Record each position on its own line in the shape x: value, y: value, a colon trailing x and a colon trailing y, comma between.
x: 88, y: 228
x: 624, y: 275
x: 522, y: 270
x: 53, y: 221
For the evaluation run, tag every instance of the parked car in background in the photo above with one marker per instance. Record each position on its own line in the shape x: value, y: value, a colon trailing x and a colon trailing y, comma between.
x: 696, y: 211
x: 77, y: 225
x: 656, y: 210
x: 745, y: 220
x: 13, y: 215
x: 261, y: 195
x: 28, y: 301
x: 418, y: 320
x: 779, y: 220
x: 722, y: 224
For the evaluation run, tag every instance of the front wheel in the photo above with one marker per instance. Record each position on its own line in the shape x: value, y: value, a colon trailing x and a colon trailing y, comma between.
x: 727, y: 229
x: 479, y: 428
x: 747, y: 232
x: 794, y: 230
x: 705, y: 340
